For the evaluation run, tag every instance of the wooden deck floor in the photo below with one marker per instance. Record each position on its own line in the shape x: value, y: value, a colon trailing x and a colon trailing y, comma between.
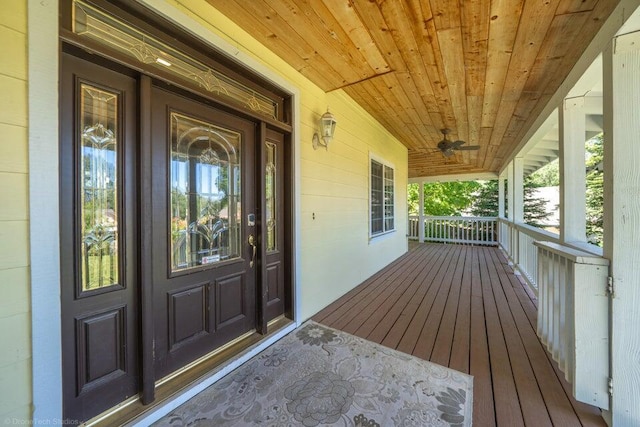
x: 462, y: 307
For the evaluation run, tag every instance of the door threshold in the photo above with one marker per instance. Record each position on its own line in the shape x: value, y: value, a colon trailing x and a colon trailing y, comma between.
x: 132, y: 410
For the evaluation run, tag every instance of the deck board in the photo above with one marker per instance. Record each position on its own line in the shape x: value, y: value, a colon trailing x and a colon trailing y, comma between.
x: 484, y: 412
x: 505, y: 395
x: 462, y: 307
x: 343, y: 313
x: 533, y: 407
x: 411, y: 336
x: 400, y: 326
x: 396, y: 290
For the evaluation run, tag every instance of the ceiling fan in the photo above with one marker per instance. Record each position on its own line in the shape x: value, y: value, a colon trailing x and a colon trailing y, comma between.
x: 447, y: 147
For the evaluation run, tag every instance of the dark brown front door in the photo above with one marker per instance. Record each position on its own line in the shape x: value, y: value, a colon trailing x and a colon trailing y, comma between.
x: 98, y: 201
x: 173, y: 231
x: 203, y: 228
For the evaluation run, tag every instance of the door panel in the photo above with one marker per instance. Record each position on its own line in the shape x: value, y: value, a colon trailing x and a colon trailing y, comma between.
x: 188, y: 314
x: 203, y: 188
x: 98, y: 229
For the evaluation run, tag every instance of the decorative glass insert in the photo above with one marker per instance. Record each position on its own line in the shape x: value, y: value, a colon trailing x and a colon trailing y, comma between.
x: 101, y: 28
x: 382, y: 198
x: 205, y: 212
x: 98, y: 181
x: 270, y: 195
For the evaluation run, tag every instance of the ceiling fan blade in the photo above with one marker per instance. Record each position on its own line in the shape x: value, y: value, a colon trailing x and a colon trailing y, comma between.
x: 457, y: 144
x: 469, y: 148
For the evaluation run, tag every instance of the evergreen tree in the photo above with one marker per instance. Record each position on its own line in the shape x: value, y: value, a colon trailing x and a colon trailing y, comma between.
x: 595, y: 196
x: 486, y: 200
x: 535, y: 208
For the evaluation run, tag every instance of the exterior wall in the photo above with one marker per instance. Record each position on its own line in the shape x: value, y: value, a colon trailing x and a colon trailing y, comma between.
x: 15, y: 317
x: 335, y: 251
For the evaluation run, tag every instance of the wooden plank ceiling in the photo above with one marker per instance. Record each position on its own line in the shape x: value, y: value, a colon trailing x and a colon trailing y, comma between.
x: 482, y: 68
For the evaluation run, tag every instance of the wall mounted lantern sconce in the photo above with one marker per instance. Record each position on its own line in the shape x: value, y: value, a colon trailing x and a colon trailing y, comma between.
x: 327, y: 129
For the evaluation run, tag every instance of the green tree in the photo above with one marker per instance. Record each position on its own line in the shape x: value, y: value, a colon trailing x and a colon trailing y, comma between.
x: 486, y: 202
x: 412, y: 199
x: 486, y: 199
x: 535, y: 208
x: 443, y: 198
x: 594, y: 193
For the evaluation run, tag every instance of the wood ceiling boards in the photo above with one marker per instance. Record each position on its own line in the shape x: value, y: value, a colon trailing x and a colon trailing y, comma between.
x: 484, y: 69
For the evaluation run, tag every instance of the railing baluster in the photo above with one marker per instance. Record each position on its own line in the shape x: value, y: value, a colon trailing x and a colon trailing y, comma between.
x: 462, y: 230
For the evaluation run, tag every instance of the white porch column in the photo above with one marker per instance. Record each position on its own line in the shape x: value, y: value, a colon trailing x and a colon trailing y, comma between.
x: 572, y: 170
x: 510, y: 200
x: 421, y: 212
x: 501, y: 196
x: 622, y: 220
x: 518, y: 190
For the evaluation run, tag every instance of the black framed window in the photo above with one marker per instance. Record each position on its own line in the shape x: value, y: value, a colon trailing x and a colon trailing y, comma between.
x: 382, y: 198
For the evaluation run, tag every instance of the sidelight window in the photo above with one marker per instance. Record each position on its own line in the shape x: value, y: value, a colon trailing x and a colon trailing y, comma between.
x: 98, y: 181
x: 270, y: 195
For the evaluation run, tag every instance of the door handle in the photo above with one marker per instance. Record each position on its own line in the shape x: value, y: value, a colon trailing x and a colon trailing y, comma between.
x: 252, y: 243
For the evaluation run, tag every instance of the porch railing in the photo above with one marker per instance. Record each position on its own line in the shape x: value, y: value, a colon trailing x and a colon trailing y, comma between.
x: 573, y: 309
x: 461, y: 230
x: 570, y: 282
x: 573, y: 318
x: 517, y: 241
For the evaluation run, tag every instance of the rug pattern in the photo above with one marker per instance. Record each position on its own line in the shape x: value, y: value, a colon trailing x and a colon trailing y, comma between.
x: 320, y: 376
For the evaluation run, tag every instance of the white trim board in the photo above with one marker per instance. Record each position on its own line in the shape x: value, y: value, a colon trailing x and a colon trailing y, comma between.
x: 44, y: 232
x: 480, y: 176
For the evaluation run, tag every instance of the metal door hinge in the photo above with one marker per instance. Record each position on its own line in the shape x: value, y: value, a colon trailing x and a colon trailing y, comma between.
x: 610, y: 290
x: 610, y: 386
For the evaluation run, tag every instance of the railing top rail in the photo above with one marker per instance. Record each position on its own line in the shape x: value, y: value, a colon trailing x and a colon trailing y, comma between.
x: 543, y: 235
x: 537, y: 233
x: 574, y: 255
x: 462, y: 218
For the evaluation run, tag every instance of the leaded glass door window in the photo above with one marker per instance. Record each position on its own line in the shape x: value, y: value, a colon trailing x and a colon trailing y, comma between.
x: 205, y: 193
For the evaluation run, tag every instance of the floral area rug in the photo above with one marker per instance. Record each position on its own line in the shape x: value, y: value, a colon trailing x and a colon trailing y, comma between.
x: 319, y: 376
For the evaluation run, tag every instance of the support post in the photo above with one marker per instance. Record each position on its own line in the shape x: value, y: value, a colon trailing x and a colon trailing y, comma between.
x: 518, y: 190
x: 421, y: 213
x: 501, y: 196
x: 572, y: 171
x: 517, y: 207
x: 513, y: 234
x: 510, y: 191
x: 622, y: 221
